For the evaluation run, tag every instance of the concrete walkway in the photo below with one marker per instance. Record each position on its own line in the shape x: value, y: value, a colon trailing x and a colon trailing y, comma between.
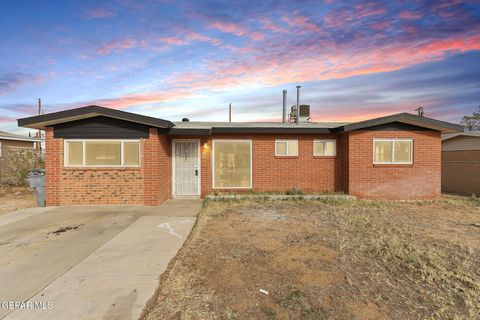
x: 107, y: 268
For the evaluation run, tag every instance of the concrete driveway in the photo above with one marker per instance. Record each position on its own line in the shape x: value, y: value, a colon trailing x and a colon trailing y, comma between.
x: 88, y: 262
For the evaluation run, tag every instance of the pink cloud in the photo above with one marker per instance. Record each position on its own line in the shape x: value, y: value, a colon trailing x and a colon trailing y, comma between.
x: 368, y: 9
x: 302, y: 64
x: 235, y: 29
x: 4, y: 119
x: 269, y: 25
x: 227, y: 27
x: 409, y: 15
x: 99, y: 14
x: 173, y: 40
x: 303, y: 24
x: 117, y: 45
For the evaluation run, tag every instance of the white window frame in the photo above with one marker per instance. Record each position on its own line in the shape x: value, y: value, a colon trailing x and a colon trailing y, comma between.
x: 325, y: 140
x: 393, y: 150
x: 1, y: 150
x: 122, y: 160
x: 213, y: 162
x: 287, y: 142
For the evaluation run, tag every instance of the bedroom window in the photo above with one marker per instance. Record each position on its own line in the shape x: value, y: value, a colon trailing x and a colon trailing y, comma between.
x: 102, y: 153
x: 286, y: 148
x: 324, y: 148
x: 392, y: 151
x: 232, y: 164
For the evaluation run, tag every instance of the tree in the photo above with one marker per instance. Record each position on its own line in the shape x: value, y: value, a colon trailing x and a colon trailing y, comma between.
x: 472, y: 123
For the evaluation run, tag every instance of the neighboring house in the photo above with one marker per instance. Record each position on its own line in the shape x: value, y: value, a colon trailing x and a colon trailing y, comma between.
x: 100, y: 155
x: 10, y: 141
x: 461, y: 163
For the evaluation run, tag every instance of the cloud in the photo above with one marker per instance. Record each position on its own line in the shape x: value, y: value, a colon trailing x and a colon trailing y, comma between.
x: 99, y: 13
x: 410, y: 15
x: 235, y: 29
x: 303, y: 24
x: 11, y: 80
x: 117, y: 45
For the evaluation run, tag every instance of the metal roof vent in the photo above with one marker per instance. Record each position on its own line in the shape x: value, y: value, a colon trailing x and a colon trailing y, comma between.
x: 185, y: 120
x: 304, y: 114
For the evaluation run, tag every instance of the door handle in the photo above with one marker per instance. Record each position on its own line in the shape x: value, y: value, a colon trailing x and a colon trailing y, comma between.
x: 196, y: 172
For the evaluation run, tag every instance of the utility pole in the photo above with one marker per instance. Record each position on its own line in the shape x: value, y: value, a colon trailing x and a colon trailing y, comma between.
x: 39, y: 133
x: 420, y: 111
x: 230, y: 112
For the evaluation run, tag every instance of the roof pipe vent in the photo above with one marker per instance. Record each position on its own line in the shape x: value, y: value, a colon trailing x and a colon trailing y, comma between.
x: 297, y: 115
x: 284, y: 114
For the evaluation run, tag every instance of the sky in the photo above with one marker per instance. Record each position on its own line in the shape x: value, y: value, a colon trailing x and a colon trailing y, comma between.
x: 355, y: 60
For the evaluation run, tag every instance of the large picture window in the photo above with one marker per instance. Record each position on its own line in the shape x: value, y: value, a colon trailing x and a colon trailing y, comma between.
x: 102, y: 153
x: 232, y: 164
x: 393, y: 151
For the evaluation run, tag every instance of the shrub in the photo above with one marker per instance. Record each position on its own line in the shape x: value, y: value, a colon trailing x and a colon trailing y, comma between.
x: 295, y: 192
x: 17, y: 164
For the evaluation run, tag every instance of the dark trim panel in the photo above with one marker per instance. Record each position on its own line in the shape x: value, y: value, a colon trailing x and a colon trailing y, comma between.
x: 101, y: 128
x: 189, y: 132
x: 50, y: 119
x: 445, y: 127
x: 269, y: 130
x: 397, y: 126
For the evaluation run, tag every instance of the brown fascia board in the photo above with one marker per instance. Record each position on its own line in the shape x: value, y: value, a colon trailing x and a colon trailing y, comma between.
x: 442, y: 126
x: 42, y: 121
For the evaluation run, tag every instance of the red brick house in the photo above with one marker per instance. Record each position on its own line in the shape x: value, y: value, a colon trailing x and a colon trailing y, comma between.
x: 96, y: 155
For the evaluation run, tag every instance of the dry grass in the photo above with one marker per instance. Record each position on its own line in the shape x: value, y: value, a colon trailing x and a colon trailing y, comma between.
x: 328, y: 259
x: 15, y: 198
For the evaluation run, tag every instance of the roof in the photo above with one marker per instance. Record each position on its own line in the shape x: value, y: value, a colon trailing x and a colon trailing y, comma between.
x: 207, y: 128
x: 42, y: 121
x: 408, y: 118
x: 461, y: 134
x: 11, y: 136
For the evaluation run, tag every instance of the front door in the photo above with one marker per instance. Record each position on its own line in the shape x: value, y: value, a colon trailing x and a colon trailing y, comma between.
x: 186, y: 167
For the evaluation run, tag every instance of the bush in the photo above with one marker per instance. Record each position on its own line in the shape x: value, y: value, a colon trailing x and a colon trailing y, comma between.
x: 18, y: 163
x: 295, y: 192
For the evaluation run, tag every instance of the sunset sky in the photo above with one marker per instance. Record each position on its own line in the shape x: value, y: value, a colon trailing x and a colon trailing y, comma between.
x: 171, y: 59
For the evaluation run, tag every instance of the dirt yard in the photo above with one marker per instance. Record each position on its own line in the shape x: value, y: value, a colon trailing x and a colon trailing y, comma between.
x: 12, y: 199
x: 331, y: 259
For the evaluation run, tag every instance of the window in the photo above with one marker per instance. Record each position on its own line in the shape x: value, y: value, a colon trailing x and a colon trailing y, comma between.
x: 232, y: 164
x: 0, y: 148
x: 393, y: 151
x: 102, y: 153
x: 325, y: 148
x: 286, y: 147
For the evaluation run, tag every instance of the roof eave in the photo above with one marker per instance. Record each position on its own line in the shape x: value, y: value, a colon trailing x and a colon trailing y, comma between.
x: 442, y: 126
x: 42, y: 121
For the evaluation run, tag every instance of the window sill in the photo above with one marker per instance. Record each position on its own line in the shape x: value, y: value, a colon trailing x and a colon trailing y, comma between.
x: 102, y: 168
x: 393, y: 165
x: 324, y: 157
x: 286, y: 157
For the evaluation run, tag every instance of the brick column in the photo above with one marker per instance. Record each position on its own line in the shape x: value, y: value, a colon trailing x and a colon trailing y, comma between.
x: 53, y: 167
x: 151, y: 168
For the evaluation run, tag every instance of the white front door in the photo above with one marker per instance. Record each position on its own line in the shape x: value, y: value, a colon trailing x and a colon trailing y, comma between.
x: 186, y: 170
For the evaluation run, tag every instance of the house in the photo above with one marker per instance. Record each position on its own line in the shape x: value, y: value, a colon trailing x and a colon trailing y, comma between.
x: 103, y: 156
x: 10, y: 141
x: 461, y: 163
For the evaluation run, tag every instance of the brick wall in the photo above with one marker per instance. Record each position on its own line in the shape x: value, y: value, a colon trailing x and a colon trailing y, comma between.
x: 53, y: 168
x: 279, y: 174
x: 148, y: 184
x: 421, y: 180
